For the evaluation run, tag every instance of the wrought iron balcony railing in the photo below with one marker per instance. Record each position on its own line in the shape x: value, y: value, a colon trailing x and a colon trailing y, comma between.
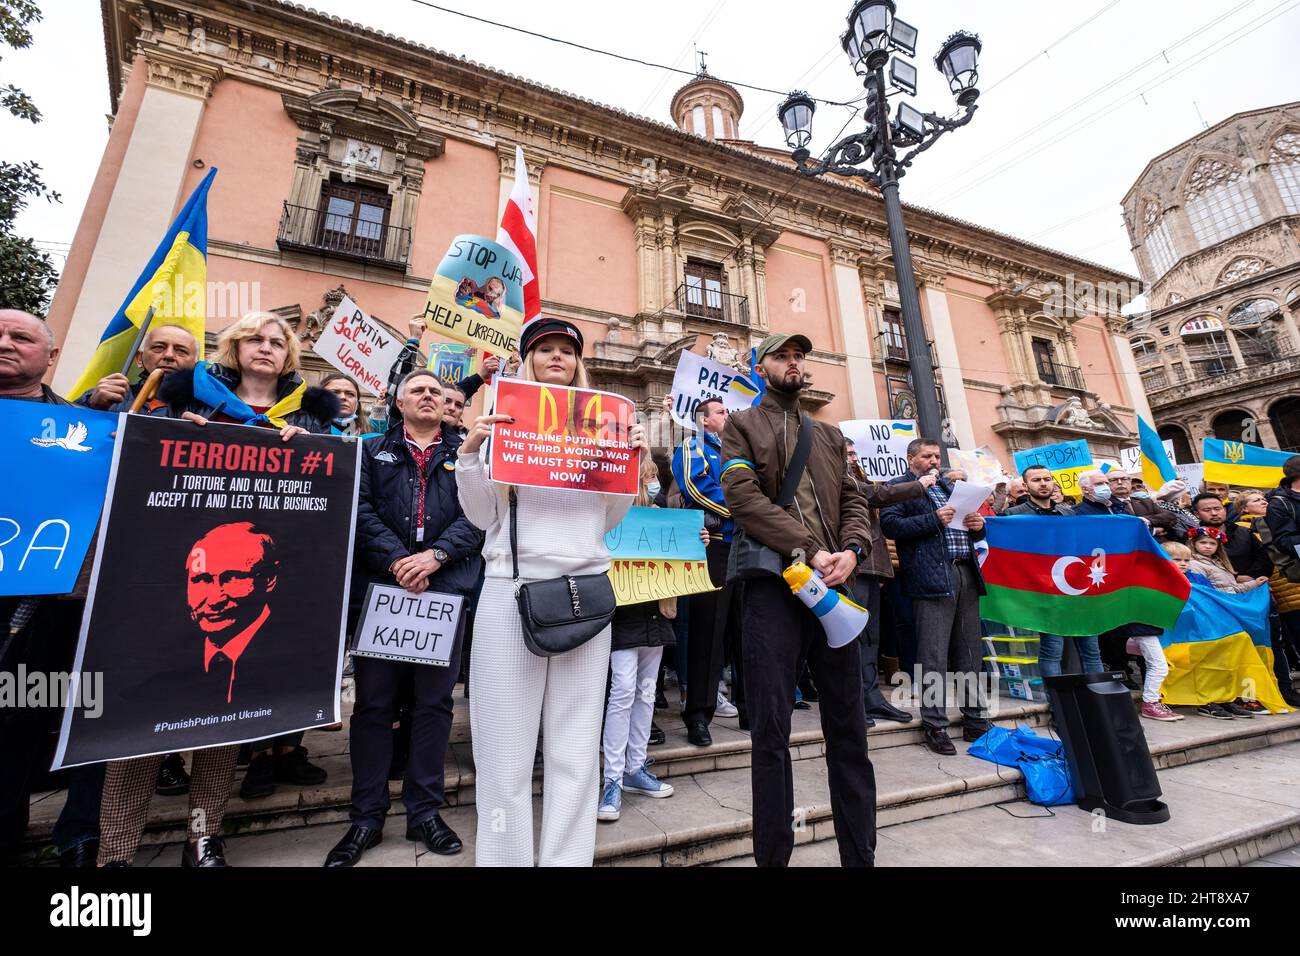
x: 304, y: 229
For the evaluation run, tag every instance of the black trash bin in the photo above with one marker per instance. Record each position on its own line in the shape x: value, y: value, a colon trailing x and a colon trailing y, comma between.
x: 1110, y: 765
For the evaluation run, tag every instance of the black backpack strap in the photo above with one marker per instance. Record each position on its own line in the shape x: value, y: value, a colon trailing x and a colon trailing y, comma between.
x: 798, y: 461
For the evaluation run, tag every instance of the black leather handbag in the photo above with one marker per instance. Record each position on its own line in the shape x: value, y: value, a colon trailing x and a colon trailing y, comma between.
x: 560, y: 614
x: 752, y: 559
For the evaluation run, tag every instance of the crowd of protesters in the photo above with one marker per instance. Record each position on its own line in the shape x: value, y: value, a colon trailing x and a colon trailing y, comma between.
x: 429, y: 518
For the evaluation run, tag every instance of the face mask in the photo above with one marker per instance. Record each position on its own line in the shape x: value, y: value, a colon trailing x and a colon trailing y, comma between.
x: 1141, y: 494
x: 652, y: 489
x: 1101, y: 492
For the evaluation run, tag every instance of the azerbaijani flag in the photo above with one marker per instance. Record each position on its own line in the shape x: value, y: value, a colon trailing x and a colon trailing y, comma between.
x: 1155, y: 463
x: 1219, y: 650
x: 1078, y: 575
x: 174, y: 284
x: 1236, y: 463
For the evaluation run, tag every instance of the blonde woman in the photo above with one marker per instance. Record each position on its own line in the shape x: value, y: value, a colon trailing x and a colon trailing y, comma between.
x: 253, y: 380
x: 512, y: 691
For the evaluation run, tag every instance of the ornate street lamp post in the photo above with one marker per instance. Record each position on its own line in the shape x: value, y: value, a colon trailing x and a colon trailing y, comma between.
x: 873, y: 33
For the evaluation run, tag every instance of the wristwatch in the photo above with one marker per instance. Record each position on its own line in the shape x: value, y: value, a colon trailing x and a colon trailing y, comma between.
x: 856, y: 551
x: 441, y: 555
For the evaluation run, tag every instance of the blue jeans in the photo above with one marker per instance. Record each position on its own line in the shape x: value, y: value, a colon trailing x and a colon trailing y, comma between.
x: 1051, y: 646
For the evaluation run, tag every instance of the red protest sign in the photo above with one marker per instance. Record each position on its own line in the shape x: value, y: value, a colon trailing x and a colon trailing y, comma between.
x: 563, y: 438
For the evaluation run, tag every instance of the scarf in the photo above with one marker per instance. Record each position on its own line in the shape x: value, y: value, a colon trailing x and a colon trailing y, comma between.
x: 216, y: 394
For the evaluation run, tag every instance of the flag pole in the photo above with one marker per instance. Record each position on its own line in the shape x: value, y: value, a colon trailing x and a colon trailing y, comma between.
x: 139, y: 340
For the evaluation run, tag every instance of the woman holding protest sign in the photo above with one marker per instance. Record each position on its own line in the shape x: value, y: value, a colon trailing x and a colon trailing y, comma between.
x: 254, y: 381
x: 558, y: 533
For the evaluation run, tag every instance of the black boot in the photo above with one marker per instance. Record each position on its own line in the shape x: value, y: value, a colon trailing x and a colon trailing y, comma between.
x: 173, y: 781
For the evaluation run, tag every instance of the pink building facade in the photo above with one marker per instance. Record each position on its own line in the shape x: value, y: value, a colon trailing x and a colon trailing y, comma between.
x: 349, y: 158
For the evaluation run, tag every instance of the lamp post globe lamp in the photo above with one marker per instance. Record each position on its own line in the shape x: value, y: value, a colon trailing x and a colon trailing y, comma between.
x: 873, y: 154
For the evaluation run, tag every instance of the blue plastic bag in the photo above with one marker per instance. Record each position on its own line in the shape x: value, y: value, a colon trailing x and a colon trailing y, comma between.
x: 1041, y: 760
x: 1047, y: 780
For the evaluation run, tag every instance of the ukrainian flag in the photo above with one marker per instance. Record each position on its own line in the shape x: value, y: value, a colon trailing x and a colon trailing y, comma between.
x: 174, y: 284
x: 1236, y: 463
x: 903, y: 429
x: 1156, y: 466
x: 1219, y: 650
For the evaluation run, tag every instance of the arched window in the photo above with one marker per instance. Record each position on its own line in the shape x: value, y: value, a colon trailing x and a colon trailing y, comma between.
x: 1231, y: 425
x: 1284, y: 164
x: 1182, y: 447
x: 1249, y: 314
x: 1285, y: 418
x: 1144, y: 347
x: 1219, y: 201
x: 1158, y: 243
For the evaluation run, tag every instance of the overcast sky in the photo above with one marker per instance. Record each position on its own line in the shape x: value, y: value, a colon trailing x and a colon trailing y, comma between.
x: 1077, y: 96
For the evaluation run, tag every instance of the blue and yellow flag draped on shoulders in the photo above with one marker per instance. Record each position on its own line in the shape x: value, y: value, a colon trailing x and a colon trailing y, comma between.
x: 1219, y: 650
x: 174, y: 284
x: 1236, y: 463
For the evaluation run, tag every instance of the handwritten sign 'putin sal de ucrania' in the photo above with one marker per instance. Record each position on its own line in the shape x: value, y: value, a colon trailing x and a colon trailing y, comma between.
x: 359, y: 346
x: 397, y: 625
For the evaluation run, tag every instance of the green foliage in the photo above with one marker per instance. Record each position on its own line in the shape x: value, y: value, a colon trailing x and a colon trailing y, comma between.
x: 27, y: 275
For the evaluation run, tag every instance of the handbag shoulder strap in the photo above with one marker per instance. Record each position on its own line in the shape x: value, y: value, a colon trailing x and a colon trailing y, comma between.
x: 798, y: 461
x: 514, y: 534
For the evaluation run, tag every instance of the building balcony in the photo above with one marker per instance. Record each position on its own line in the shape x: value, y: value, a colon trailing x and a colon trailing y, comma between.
x: 1062, y: 376
x: 891, y: 349
x: 1217, y: 378
x: 712, y: 304
x: 305, y: 229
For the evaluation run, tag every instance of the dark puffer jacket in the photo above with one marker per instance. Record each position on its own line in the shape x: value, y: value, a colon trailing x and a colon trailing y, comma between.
x: 386, y: 511
x: 641, y: 625
x: 918, y: 533
x: 318, y: 411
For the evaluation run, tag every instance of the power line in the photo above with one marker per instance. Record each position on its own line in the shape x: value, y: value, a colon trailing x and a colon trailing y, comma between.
x: 599, y: 51
x: 663, y: 81
x: 1057, y: 42
x: 1158, y: 81
x: 999, y: 153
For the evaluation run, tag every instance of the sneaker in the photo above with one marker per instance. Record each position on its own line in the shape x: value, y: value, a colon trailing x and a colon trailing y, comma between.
x: 611, y: 801
x: 643, y: 781
x: 1237, y: 711
x: 1254, y: 706
x: 657, y: 735
x: 1214, y: 711
x: 725, y: 707
x: 1158, y: 711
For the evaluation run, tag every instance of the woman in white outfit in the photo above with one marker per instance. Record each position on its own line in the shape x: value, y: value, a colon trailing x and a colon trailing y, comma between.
x: 511, y: 689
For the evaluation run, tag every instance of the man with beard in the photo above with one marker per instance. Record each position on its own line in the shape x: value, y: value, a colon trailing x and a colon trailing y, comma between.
x: 824, y: 521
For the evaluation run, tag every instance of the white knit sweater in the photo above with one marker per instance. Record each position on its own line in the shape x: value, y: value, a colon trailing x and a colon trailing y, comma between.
x: 560, y: 531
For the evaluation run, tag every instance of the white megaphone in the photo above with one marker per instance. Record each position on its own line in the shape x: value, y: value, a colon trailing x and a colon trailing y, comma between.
x: 841, y: 618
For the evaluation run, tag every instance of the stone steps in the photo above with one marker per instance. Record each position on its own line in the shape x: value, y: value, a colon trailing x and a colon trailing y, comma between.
x: 1231, y: 787
x: 293, y: 807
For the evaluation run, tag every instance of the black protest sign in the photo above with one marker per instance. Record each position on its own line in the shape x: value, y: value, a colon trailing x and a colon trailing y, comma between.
x: 216, y: 610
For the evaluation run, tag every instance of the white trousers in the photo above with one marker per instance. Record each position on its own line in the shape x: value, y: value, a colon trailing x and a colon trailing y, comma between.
x: 1157, y: 667
x: 633, y: 675
x: 511, y: 691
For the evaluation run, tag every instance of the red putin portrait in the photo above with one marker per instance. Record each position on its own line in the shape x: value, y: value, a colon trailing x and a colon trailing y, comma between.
x: 231, y: 573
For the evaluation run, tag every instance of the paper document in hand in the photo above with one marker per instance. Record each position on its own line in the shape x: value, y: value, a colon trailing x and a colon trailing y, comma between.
x: 966, y: 498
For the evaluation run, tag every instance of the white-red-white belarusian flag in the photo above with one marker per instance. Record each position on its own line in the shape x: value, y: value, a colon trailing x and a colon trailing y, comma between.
x: 518, y: 233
